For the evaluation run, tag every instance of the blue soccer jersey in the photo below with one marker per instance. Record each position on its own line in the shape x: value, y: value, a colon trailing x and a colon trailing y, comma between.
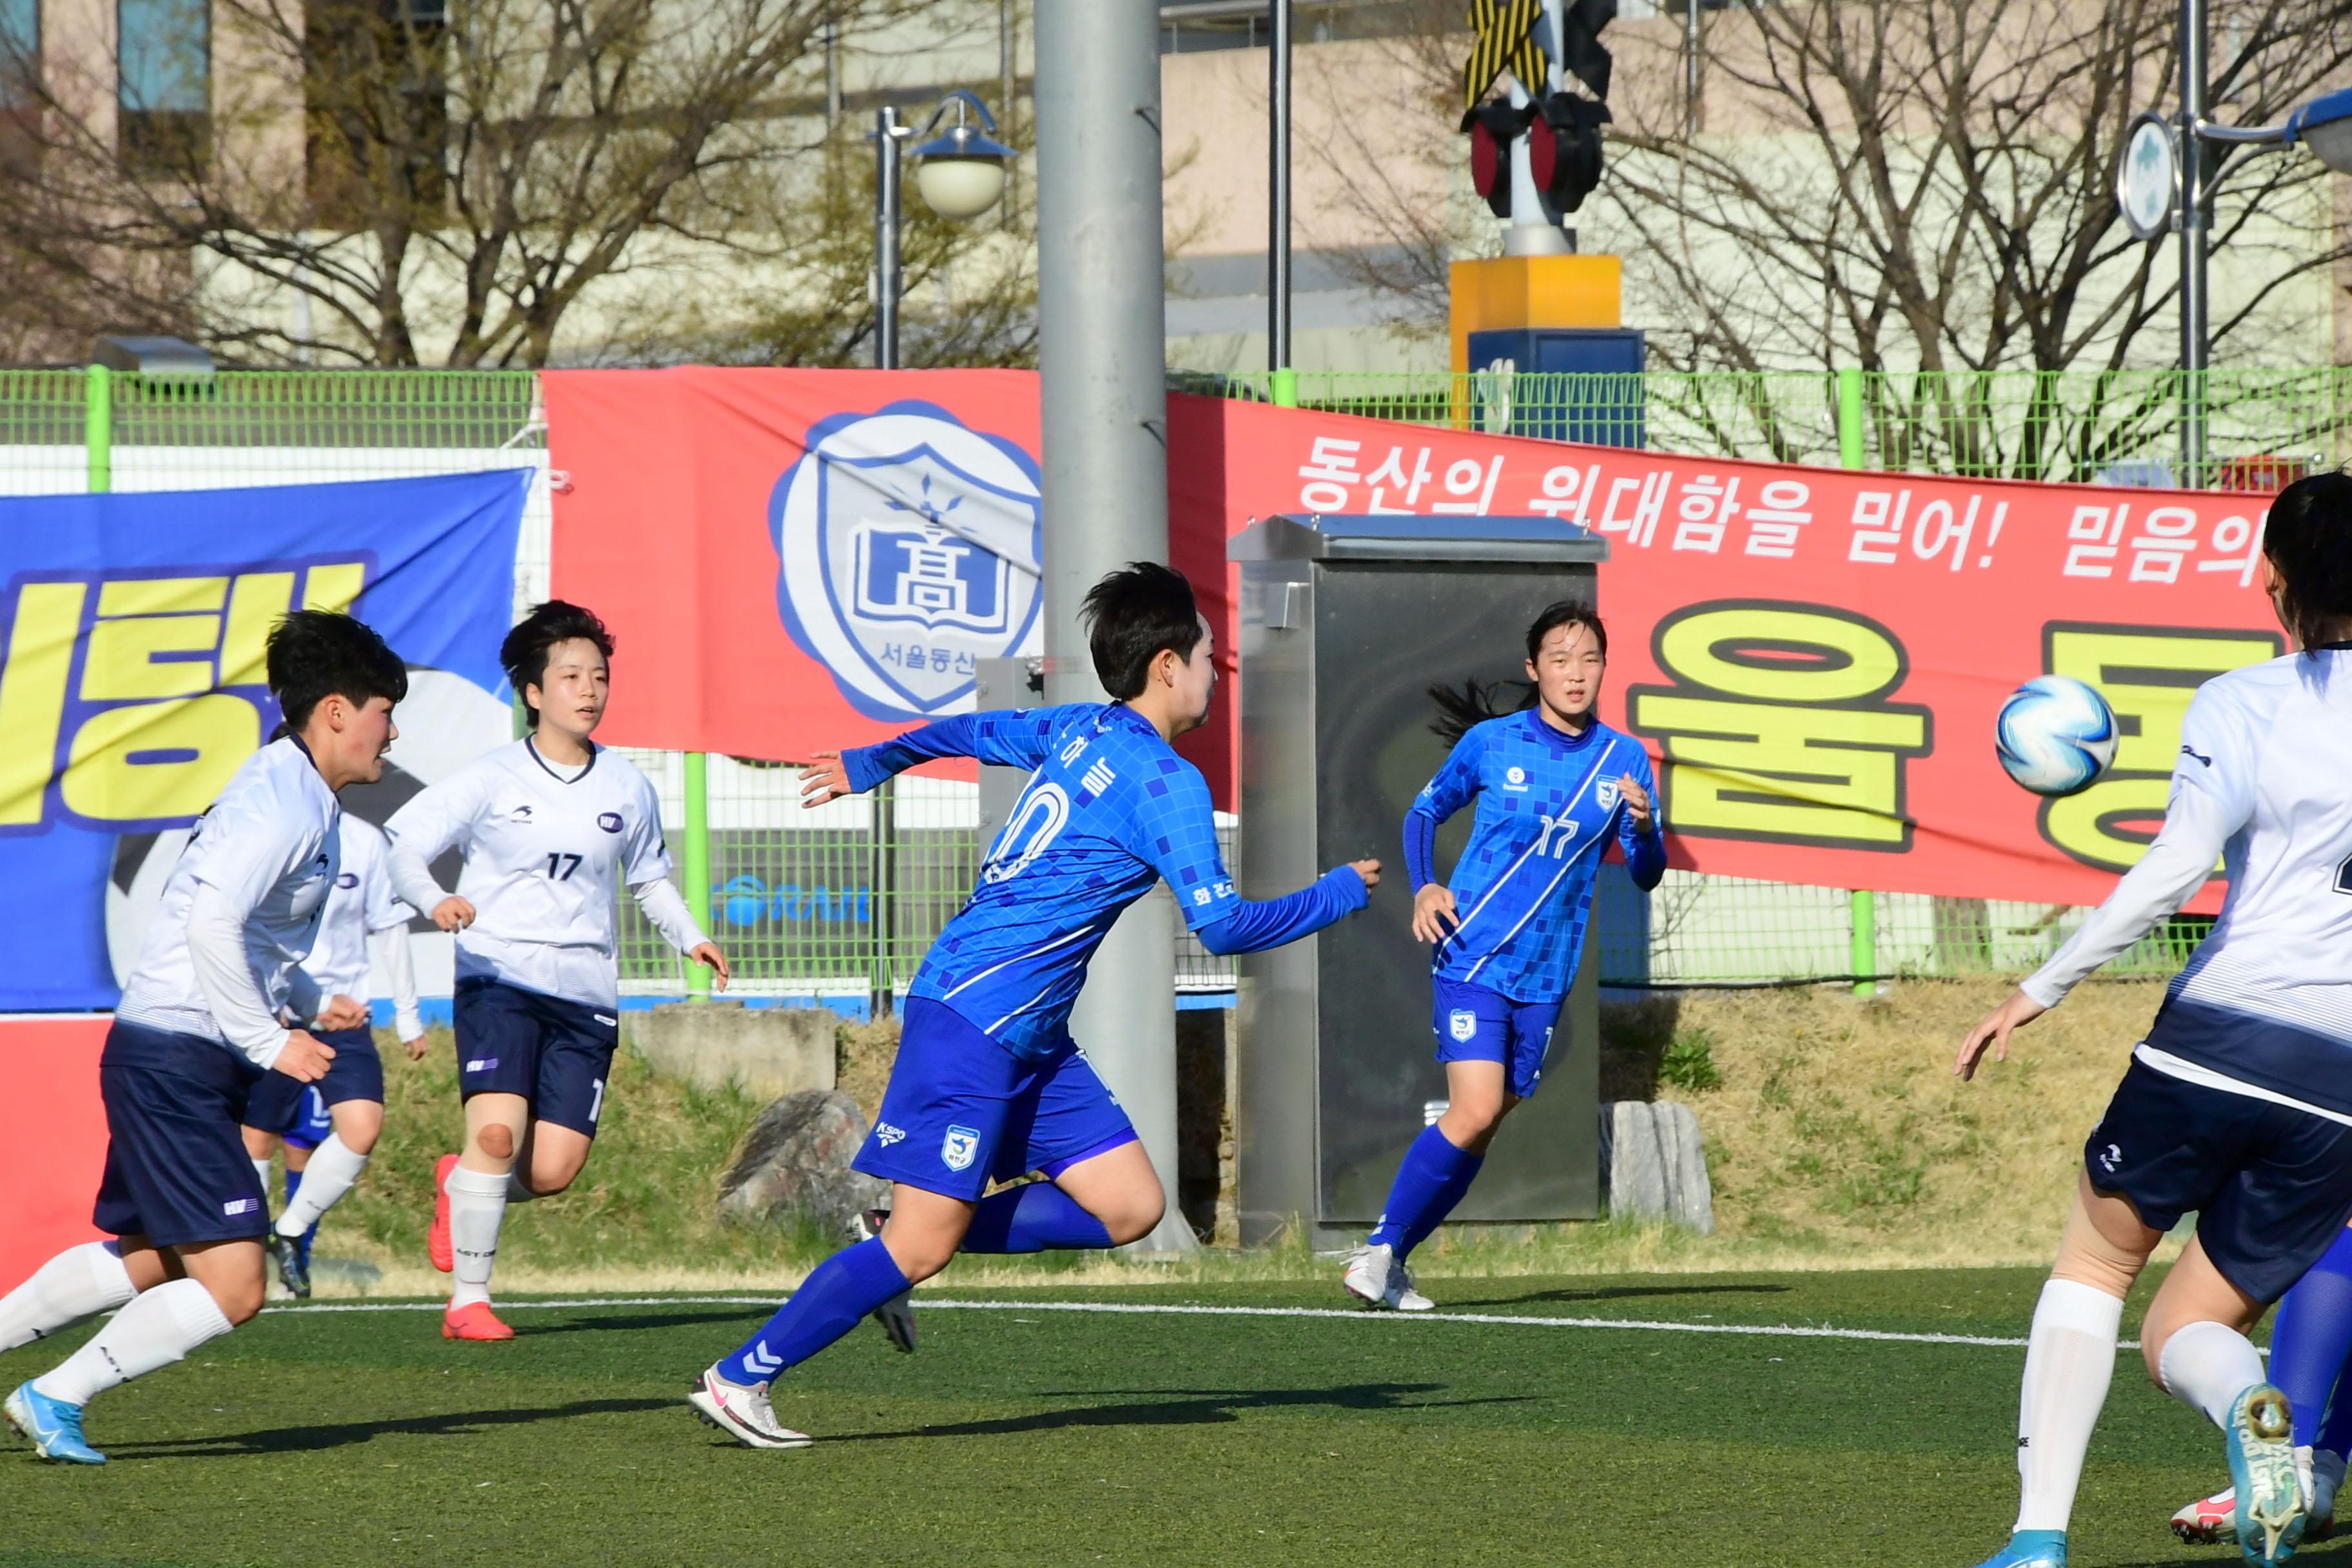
x: 1523, y: 888
x: 1109, y: 809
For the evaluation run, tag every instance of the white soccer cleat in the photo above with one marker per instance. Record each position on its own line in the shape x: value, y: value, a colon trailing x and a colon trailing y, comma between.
x: 1408, y: 1299
x: 1371, y: 1274
x: 741, y: 1411
x: 2209, y: 1520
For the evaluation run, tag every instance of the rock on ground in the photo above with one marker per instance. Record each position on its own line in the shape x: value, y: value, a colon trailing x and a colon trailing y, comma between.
x: 795, y: 1165
x: 1652, y: 1164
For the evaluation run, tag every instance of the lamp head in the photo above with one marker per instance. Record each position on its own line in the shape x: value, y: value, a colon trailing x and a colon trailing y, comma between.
x: 2325, y: 125
x: 960, y: 172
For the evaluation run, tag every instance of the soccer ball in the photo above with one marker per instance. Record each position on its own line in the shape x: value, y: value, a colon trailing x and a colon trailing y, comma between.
x: 2055, y: 735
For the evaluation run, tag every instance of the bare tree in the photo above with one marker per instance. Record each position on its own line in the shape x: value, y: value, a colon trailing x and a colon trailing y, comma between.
x: 1900, y: 185
x: 394, y: 182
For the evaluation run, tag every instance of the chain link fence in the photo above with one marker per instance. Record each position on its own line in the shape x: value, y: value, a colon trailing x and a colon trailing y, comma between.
x: 839, y: 903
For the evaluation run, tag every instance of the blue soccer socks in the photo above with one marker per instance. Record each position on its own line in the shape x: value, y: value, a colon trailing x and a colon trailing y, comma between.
x: 2313, y: 1337
x: 829, y: 1304
x: 1431, y: 1180
x: 1037, y: 1217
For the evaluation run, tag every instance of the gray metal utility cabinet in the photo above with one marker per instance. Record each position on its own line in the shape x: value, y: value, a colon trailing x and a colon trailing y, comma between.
x: 1345, y: 623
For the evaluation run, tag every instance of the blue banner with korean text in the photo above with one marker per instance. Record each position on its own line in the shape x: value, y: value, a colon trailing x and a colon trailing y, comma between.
x: 131, y: 636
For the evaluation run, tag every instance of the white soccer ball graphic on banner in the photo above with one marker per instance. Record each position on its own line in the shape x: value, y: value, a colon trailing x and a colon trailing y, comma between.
x: 2055, y: 735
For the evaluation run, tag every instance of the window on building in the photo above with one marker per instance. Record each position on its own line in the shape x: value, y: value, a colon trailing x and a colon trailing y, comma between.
x: 163, y: 64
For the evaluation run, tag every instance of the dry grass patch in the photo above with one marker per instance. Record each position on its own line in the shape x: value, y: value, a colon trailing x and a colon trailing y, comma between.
x: 1837, y: 1125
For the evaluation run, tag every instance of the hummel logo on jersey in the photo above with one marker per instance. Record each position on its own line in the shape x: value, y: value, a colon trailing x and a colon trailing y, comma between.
x: 1098, y: 778
x: 886, y: 1134
x: 959, y: 1148
x: 2192, y: 751
x: 610, y: 821
x: 1514, y: 778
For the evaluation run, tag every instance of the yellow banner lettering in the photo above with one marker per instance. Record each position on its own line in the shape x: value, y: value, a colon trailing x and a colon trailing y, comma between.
x: 156, y: 760
x: 33, y: 694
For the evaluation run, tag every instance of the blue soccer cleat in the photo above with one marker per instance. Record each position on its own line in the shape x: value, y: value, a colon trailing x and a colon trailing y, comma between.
x: 2031, y: 1549
x: 53, y: 1425
x: 2260, y: 1441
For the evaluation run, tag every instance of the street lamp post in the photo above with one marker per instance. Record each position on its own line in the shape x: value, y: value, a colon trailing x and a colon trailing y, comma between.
x: 960, y: 172
x: 2165, y: 184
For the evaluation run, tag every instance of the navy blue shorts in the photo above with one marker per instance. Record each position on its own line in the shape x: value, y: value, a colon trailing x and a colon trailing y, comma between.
x: 962, y: 1110
x: 1475, y: 1024
x: 299, y: 1110
x: 176, y: 1169
x: 555, y: 1054
x: 2271, y: 1185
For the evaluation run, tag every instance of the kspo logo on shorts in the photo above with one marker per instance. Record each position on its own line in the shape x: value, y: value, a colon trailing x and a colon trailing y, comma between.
x: 1461, y: 1023
x: 241, y: 1205
x: 959, y: 1148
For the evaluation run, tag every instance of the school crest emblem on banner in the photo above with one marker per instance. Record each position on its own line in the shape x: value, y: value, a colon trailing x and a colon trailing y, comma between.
x: 908, y: 546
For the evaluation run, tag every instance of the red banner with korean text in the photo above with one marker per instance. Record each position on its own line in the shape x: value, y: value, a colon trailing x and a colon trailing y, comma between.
x: 1814, y: 657
x: 799, y: 560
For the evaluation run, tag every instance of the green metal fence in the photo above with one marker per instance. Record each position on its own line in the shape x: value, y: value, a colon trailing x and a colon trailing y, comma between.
x: 2120, y: 427
x: 843, y: 901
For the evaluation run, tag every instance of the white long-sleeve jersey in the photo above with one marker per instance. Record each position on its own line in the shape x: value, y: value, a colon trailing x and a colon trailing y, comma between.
x: 547, y: 851
x: 362, y: 905
x: 241, y: 910
x: 2263, y: 784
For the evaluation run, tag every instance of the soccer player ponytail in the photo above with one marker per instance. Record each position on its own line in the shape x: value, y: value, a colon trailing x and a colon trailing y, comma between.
x: 2309, y: 542
x: 1462, y: 708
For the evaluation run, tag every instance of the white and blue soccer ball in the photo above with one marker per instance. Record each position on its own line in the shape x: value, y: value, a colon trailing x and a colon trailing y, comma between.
x: 2055, y: 735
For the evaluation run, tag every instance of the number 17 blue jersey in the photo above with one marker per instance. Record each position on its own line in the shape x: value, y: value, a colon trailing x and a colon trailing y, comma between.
x: 1109, y: 809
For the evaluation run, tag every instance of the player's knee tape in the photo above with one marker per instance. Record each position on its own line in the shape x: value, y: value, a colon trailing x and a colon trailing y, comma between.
x: 497, y: 1140
x: 2088, y: 1256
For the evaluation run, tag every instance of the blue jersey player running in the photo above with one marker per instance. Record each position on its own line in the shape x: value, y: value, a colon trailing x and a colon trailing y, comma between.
x: 1553, y: 786
x: 2237, y: 1106
x: 988, y: 1084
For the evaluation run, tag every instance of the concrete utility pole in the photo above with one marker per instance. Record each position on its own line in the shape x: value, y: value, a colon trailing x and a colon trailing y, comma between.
x: 2196, y: 238
x: 1278, y: 244
x: 1101, y: 356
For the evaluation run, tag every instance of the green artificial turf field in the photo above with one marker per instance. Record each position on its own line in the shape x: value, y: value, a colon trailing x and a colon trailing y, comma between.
x: 1025, y: 1434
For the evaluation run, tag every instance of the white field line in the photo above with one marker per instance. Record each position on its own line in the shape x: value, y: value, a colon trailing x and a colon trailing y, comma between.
x: 1173, y: 1309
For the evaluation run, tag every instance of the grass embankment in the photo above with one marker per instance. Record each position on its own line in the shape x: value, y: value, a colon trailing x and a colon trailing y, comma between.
x: 1836, y: 1138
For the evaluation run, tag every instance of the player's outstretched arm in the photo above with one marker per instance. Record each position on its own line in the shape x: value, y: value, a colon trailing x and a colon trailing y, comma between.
x: 1254, y: 926
x: 1008, y: 737
x: 400, y: 967
x: 1454, y: 786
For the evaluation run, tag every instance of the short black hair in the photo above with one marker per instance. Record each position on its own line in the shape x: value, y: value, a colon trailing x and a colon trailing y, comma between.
x: 524, y: 653
x: 317, y: 654
x: 1130, y: 616
x: 2309, y: 540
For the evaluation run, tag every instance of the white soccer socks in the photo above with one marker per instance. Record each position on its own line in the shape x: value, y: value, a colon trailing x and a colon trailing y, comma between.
x: 478, y: 1204
x: 261, y: 1172
x: 2208, y: 1365
x: 334, y: 1167
x: 77, y: 1283
x: 2070, y: 1360
x: 159, y: 1326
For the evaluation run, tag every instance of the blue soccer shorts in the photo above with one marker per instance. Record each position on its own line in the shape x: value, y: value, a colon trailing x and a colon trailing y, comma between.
x: 2271, y: 1185
x: 962, y: 1110
x: 176, y: 1169
x: 556, y: 1054
x: 301, y: 1111
x: 1475, y: 1024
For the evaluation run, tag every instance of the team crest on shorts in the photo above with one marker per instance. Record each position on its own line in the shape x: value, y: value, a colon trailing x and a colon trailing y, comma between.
x: 1461, y: 1023
x: 909, y: 545
x: 959, y: 1148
